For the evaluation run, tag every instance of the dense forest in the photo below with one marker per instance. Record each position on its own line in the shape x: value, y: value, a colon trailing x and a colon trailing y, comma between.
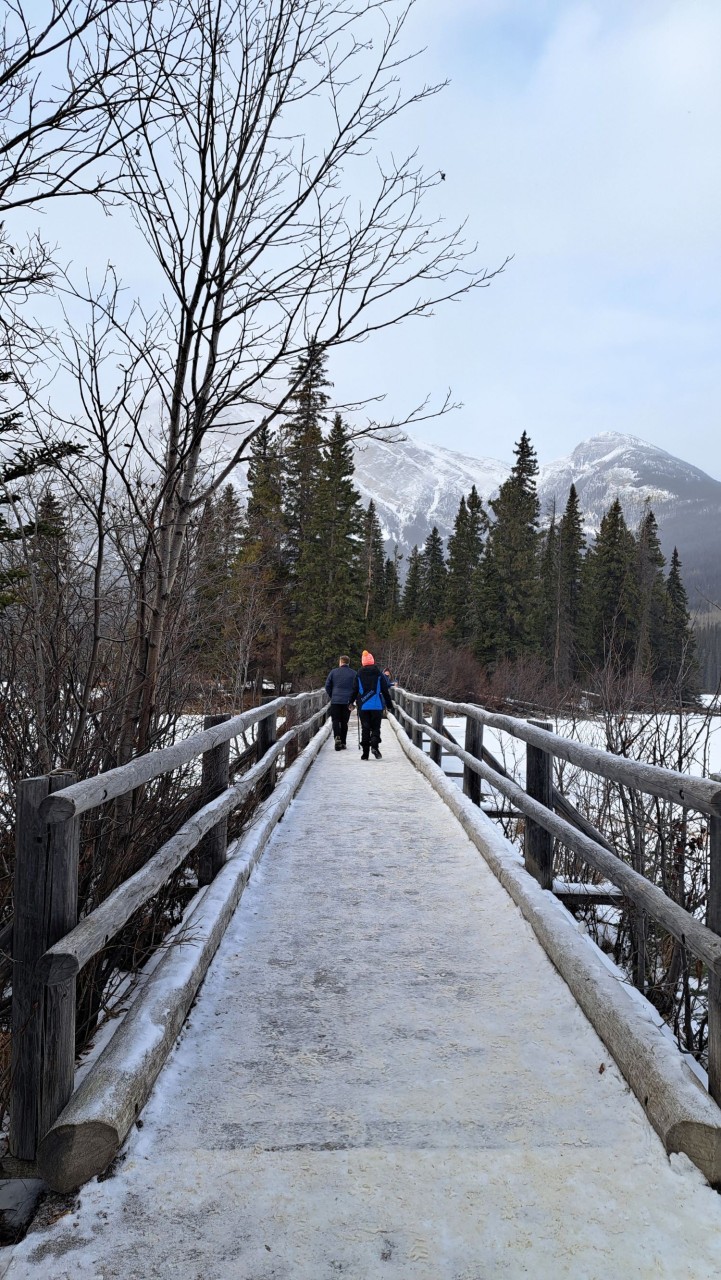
x: 307, y: 565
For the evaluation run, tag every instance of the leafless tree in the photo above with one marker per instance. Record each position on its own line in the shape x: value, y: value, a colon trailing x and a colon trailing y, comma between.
x: 274, y: 220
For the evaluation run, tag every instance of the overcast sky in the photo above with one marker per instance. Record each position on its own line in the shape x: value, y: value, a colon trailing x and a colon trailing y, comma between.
x: 584, y: 139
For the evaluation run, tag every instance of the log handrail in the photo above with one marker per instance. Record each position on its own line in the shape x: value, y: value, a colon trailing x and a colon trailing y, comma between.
x: 66, y: 958
x: 692, y: 792
x: 91, y: 792
x: 51, y: 946
x: 702, y: 941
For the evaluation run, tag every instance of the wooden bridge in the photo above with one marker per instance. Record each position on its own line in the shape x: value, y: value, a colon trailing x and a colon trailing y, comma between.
x: 405, y: 1059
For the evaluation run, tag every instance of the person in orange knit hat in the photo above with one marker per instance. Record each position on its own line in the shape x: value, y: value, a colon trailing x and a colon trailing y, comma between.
x: 371, y: 692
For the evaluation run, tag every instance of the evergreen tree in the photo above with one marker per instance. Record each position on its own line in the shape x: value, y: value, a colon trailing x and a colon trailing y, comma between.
x: 507, y: 603
x: 571, y: 552
x: 262, y: 579
x: 433, y: 573
x: 611, y: 596
x: 678, y: 666
x: 465, y: 549
x: 550, y: 600
x: 652, y: 593
x: 20, y: 464
x: 330, y: 601
x: 412, y: 589
x: 218, y: 544
x: 392, y: 590
x: 303, y: 450
x: 373, y: 567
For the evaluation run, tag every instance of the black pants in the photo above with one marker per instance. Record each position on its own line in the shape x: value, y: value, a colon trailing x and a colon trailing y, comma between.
x: 340, y: 715
x: 370, y: 729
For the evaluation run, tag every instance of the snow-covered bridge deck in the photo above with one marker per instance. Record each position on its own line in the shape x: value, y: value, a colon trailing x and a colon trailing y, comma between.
x: 384, y: 1076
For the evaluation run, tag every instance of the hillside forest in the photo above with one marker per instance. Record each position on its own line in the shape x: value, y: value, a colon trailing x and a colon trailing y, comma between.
x: 507, y: 605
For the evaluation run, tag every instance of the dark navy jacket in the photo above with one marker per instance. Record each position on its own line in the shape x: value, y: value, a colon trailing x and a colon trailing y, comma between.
x: 340, y: 685
x: 366, y: 684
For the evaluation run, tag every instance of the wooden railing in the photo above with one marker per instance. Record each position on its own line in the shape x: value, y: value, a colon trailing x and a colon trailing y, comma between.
x: 549, y: 815
x: 50, y: 946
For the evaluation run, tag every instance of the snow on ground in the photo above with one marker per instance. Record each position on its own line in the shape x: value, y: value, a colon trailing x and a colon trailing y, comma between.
x: 384, y: 1076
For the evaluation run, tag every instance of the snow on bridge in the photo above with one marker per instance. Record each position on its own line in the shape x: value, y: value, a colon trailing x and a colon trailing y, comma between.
x: 383, y: 1076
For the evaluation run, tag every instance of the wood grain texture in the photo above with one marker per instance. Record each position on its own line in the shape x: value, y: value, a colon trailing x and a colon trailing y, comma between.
x: 46, y: 897
x: 215, y: 777
x: 537, y: 840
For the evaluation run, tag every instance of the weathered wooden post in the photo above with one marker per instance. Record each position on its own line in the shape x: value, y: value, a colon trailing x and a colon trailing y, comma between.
x: 291, y: 720
x: 213, y: 848
x: 417, y: 713
x: 43, y: 1018
x: 537, y: 842
x: 264, y: 741
x: 713, y: 920
x: 474, y: 746
x: 436, y: 750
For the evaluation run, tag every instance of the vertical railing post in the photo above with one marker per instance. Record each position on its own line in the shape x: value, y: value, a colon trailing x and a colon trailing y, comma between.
x: 265, y: 739
x: 291, y: 720
x: 537, y: 842
x: 713, y: 920
x: 213, y: 848
x: 474, y: 746
x: 436, y: 750
x: 43, y: 1018
x: 417, y: 713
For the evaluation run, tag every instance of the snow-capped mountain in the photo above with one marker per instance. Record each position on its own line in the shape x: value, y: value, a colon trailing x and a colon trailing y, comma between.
x: 416, y: 485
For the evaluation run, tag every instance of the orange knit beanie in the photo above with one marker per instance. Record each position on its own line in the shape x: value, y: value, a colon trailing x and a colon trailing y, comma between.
x: 367, y: 659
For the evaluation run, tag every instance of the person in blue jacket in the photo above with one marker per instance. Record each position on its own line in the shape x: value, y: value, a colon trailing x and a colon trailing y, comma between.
x: 371, y: 692
x: 340, y: 686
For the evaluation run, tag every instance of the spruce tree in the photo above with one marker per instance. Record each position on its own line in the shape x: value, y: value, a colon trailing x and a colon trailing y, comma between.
x: 551, y: 592
x: 433, y: 573
x: 507, y: 605
x: 302, y: 453
x: 20, y: 464
x: 650, y: 564
x: 571, y: 552
x: 262, y: 576
x: 219, y: 541
x: 465, y: 548
x: 391, y: 590
x: 412, y: 589
x: 678, y: 666
x: 373, y: 567
x: 611, y: 596
x: 330, y: 605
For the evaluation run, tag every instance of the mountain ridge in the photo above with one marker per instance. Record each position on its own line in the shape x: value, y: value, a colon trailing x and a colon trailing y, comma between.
x: 415, y: 485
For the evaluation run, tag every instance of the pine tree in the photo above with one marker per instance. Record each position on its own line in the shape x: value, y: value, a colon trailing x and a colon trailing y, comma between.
x: 16, y: 465
x: 392, y: 590
x: 262, y: 581
x: 412, y: 589
x: 330, y: 602
x: 303, y: 449
x: 571, y: 552
x: 373, y: 568
x: 678, y: 666
x: 433, y: 573
x: 650, y: 564
x: 218, y: 544
x: 611, y: 596
x: 507, y: 603
x: 551, y: 592
x: 465, y: 549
